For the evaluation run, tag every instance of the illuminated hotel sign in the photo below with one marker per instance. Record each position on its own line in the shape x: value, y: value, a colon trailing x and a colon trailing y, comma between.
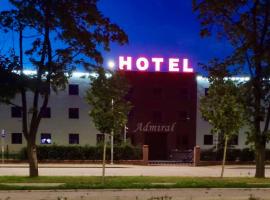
x: 129, y: 63
x: 150, y: 127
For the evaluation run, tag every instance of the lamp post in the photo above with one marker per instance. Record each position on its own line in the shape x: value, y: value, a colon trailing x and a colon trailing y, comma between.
x: 3, y: 135
x: 112, y: 133
x: 125, y: 134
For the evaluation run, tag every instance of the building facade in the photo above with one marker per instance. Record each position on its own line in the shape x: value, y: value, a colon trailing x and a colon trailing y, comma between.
x: 165, y: 115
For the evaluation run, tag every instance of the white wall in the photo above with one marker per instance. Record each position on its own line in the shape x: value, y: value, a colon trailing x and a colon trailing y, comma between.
x: 204, y: 128
x: 59, y: 125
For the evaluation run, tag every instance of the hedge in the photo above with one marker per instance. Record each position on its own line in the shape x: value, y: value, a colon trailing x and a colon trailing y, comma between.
x: 56, y: 152
x: 232, y: 155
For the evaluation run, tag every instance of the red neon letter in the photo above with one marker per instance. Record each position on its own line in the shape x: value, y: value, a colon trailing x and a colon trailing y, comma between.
x: 125, y: 63
x: 157, y: 62
x: 142, y: 64
x: 173, y: 65
x: 185, y: 66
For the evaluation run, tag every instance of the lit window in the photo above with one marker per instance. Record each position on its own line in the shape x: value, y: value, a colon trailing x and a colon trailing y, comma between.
x: 16, y: 138
x: 74, y: 138
x: 45, y: 138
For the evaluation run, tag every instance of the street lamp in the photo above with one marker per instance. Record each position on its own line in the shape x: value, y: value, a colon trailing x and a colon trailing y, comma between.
x: 111, y: 64
x: 125, y: 134
x: 112, y: 133
x: 3, y: 135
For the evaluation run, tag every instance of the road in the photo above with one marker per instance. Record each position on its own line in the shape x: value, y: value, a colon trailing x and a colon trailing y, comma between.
x: 152, y: 194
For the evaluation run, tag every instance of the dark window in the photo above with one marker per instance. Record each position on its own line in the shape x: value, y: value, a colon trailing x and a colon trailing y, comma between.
x: 16, y: 138
x: 131, y: 114
x: 100, y: 138
x: 45, y: 138
x: 45, y: 89
x: 16, y: 112
x: 156, y: 116
x: 206, y: 91
x: 130, y: 93
x: 46, y: 112
x: 185, y: 140
x: 182, y: 141
x: 183, y: 115
x: 74, y: 138
x: 208, y: 139
x: 233, y: 140
x: 73, y: 113
x: 157, y: 91
x: 73, y: 89
x: 184, y: 93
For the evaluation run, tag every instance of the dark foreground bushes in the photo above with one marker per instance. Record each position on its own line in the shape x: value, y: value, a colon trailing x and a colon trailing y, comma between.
x: 55, y: 152
x: 232, y: 155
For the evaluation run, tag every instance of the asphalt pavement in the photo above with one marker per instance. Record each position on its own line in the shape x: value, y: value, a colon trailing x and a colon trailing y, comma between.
x: 135, y: 194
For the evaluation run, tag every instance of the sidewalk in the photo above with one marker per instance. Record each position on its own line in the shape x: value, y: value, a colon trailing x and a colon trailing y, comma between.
x: 130, y: 170
x: 149, y: 194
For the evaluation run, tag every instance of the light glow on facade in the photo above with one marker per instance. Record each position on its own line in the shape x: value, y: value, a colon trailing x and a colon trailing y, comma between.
x: 111, y: 64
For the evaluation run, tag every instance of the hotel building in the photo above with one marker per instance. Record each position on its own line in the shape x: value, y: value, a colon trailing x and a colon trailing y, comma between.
x: 165, y: 115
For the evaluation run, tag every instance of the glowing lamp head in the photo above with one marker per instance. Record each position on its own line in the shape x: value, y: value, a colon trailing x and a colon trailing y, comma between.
x: 111, y: 64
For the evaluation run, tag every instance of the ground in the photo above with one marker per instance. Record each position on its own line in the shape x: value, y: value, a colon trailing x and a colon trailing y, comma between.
x: 130, y: 170
x: 164, y: 175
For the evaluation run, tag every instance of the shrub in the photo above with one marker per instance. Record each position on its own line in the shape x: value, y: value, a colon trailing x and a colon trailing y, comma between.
x: 232, y: 155
x: 56, y: 152
x: 247, y: 155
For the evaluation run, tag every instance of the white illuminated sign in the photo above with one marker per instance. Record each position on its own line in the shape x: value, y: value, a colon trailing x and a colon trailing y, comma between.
x: 129, y: 63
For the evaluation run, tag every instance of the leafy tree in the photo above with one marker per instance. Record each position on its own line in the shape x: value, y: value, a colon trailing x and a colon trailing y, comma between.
x: 108, y: 116
x: 246, y: 25
x: 109, y: 106
x: 64, y: 34
x: 223, y: 108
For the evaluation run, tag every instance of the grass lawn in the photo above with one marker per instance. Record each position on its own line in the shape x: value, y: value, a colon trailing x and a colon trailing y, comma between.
x: 68, y: 182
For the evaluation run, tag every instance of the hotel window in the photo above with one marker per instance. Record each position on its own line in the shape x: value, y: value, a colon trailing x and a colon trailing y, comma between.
x: 45, y: 138
x: 131, y: 114
x: 130, y: 93
x: 16, y: 112
x: 46, y: 112
x: 185, y: 140
x: 184, y: 93
x: 206, y: 91
x: 157, y: 92
x: 208, y: 140
x: 16, y: 138
x: 157, y: 116
x: 74, y: 138
x: 183, y: 115
x: 73, y: 89
x: 100, y: 138
x: 73, y: 113
x: 45, y: 90
x: 233, y: 140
